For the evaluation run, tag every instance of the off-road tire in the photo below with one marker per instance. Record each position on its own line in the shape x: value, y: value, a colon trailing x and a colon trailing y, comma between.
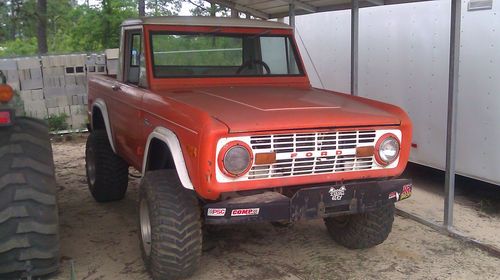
x: 29, y: 231
x: 111, y: 171
x: 175, y: 226
x: 364, y: 230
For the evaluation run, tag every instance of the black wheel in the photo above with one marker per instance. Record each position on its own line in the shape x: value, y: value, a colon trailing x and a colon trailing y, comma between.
x: 170, y: 226
x: 361, y: 231
x: 29, y: 231
x: 107, y: 173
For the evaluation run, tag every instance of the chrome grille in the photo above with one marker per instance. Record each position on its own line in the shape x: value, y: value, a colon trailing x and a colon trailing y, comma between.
x: 286, y: 144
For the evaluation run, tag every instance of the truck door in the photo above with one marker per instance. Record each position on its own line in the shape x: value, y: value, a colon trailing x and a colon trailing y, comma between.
x: 127, y: 98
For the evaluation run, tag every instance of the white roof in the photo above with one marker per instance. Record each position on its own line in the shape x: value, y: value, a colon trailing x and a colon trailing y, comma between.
x: 206, y: 21
x: 280, y: 8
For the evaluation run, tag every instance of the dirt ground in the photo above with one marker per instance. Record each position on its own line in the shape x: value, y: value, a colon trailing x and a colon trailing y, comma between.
x: 101, y: 241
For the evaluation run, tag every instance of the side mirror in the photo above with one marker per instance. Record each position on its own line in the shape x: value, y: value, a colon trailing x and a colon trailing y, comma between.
x: 6, y: 92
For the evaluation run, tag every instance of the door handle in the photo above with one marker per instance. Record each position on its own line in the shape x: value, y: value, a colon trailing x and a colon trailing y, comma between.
x: 116, y: 88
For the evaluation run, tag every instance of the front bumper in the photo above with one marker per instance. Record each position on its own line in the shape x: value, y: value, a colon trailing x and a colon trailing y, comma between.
x: 309, y: 202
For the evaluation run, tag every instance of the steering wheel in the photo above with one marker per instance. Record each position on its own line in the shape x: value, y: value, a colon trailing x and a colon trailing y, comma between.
x: 249, y: 63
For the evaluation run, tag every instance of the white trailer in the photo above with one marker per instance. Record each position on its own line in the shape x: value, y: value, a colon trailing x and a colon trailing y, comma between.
x: 404, y: 59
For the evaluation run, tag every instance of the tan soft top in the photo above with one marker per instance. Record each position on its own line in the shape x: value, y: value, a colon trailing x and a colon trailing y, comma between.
x: 206, y: 21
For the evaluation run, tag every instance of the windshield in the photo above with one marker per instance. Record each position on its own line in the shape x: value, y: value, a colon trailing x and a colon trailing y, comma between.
x: 220, y: 55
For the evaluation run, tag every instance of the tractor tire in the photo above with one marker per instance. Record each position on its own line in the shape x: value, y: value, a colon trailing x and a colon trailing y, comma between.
x: 29, y: 222
x: 107, y: 173
x: 170, y: 226
x: 364, y: 230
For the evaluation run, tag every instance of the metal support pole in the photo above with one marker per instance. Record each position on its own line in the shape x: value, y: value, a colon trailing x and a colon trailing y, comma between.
x: 452, y: 113
x: 291, y: 14
x: 354, y: 46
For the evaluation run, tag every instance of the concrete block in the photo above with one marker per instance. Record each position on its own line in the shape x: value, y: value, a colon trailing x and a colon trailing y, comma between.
x: 37, y: 94
x: 54, y: 91
x: 78, y: 99
x: 95, y: 59
x: 112, y: 65
x: 51, y: 102
x: 63, y: 101
x: 35, y: 109
x: 53, y: 61
x: 30, y: 73
x: 54, y: 81
x: 28, y: 63
x: 8, y: 64
x: 75, y: 100
x: 96, y: 69
x: 75, y: 90
x: 55, y: 71
x: 75, y: 70
x: 31, y: 84
x: 53, y: 111
x: 25, y: 95
x: 66, y: 110
x: 76, y: 80
x: 74, y: 60
x: 112, y: 53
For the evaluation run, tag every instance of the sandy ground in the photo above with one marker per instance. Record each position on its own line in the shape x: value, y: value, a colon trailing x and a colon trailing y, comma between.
x: 101, y: 240
x: 477, y: 207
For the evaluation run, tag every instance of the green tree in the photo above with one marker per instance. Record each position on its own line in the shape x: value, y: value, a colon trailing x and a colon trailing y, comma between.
x: 71, y: 27
x: 204, y: 8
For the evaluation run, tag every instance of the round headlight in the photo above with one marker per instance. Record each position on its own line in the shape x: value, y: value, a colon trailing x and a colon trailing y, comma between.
x: 236, y: 159
x: 387, y: 149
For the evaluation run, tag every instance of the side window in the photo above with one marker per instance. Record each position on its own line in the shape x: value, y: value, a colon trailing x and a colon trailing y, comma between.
x: 135, y: 51
x: 278, y: 55
x: 134, y: 45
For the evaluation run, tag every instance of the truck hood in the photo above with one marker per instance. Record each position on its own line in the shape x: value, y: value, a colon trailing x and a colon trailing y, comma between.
x: 245, y: 109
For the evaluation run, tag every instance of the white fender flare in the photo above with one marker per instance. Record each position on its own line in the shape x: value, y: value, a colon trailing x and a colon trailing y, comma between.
x: 101, y: 105
x: 170, y: 139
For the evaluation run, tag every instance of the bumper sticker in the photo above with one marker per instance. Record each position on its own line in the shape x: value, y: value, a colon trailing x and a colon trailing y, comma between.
x: 337, y: 194
x: 406, y: 192
x: 245, y: 212
x: 216, y: 212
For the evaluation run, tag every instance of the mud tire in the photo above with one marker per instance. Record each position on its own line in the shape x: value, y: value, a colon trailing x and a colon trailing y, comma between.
x: 361, y: 231
x: 107, y: 173
x: 29, y: 230
x: 175, y: 226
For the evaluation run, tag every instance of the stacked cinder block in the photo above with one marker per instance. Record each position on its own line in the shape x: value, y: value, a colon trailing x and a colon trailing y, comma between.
x: 34, y: 105
x: 76, y: 79
x: 79, y: 117
x: 76, y: 89
x: 56, y: 100
x: 9, y: 69
x: 96, y: 64
x: 30, y: 73
x: 112, y: 61
x: 53, y: 76
x: 57, y: 84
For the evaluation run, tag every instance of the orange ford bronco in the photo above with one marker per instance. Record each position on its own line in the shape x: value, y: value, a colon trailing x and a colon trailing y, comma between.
x: 221, y: 119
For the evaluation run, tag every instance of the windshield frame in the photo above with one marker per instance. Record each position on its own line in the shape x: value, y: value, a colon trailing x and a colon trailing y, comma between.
x: 300, y: 66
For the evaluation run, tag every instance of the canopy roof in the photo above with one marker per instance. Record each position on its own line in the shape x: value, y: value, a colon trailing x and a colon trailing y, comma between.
x: 280, y: 8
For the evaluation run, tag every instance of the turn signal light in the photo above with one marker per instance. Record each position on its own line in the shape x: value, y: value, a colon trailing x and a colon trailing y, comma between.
x: 6, y: 93
x: 265, y: 158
